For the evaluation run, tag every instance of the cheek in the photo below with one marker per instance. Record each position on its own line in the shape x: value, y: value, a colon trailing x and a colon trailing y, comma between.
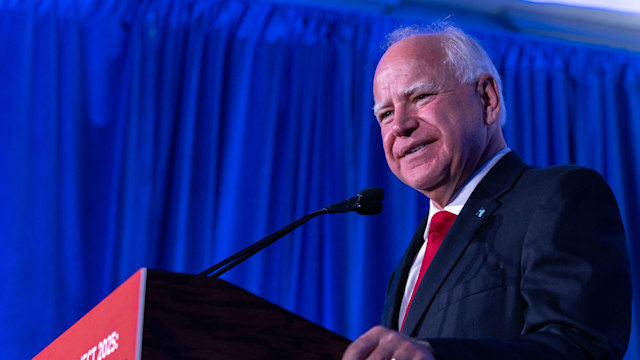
x: 387, y: 143
x: 384, y: 134
x: 387, y: 146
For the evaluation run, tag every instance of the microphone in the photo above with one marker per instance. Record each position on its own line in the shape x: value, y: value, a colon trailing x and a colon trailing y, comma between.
x: 367, y: 202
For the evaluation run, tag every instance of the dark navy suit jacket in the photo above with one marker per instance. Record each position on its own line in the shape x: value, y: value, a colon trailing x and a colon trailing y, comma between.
x: 534, y: 267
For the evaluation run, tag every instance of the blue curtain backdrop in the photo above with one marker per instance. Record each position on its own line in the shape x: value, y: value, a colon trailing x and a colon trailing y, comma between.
x: 170, y: 134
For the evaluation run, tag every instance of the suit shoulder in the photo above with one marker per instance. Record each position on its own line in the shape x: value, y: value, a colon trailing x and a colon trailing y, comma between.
x: 562, y: 181
x: 565, y: 174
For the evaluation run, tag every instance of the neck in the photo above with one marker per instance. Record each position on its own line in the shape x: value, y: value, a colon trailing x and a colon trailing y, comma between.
x: 442, y: 195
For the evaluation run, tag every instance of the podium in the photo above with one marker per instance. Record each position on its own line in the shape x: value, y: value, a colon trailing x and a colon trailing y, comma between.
x: 164, y: 315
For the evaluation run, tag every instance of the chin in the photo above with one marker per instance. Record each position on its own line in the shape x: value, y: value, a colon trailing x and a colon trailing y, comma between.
x: 423, y: 182
x: 418, y: 184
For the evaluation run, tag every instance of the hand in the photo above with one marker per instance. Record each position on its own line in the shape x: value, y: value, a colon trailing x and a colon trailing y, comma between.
x: 381, y: 343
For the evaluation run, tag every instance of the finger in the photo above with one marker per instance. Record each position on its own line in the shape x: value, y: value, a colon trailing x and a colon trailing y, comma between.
x: 412, y: 349
x: 367, y: 345
x: 361, y: 347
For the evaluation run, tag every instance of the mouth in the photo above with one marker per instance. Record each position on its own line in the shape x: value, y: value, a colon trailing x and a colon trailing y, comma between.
x: 412, y: 150
x: 418, y: 147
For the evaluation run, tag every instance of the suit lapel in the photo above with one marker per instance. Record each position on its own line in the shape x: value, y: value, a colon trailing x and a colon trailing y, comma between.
x: 392, y: 311
x: 479, y: 207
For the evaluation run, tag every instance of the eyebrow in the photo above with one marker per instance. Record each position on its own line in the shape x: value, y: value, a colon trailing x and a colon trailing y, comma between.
x: 376, y: 107
x: 419, y: 86
x: 408, y: 91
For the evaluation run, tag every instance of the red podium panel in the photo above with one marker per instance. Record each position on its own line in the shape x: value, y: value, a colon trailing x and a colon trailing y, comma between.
x: 112, y: 327
x: 162, y: 315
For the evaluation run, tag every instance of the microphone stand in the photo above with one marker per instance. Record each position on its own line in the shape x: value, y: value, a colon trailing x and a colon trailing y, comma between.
x: 242, y: 255
x: 367, y: 202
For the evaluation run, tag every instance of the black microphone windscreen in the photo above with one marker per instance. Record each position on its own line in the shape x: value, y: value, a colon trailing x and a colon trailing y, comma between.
x: 369, y: 201
x: 369, y: 208
x: 374, y: 193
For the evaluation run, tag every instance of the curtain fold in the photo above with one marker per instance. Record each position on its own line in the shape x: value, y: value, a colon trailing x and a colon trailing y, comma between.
x: 171, y: 134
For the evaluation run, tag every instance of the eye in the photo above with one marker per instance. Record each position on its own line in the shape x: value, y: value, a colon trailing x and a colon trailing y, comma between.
x: 422, y: 96
x: 384, y: 116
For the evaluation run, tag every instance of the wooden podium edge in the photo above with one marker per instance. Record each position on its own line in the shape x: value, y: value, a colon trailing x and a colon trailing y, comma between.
x: 141, y: 302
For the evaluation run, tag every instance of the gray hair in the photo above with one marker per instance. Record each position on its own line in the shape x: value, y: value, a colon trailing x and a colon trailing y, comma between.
x: 465, y: 56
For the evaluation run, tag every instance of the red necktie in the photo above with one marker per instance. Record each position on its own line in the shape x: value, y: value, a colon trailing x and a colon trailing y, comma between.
x: 440, y: 224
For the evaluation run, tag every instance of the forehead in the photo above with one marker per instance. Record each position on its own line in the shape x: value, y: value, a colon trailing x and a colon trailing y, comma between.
x: 418, y: 59
x: 426, y: 45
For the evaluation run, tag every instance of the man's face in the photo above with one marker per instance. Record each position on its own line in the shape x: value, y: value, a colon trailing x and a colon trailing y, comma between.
x: 432, y: 125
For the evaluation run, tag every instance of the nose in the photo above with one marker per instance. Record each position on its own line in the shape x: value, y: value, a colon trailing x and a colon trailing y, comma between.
x: 404, y: 123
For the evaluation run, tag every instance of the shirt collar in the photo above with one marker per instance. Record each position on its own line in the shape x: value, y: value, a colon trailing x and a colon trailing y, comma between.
x: 461, y: 196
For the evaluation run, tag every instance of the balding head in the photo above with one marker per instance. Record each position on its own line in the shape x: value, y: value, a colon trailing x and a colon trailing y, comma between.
x: 464, y: 55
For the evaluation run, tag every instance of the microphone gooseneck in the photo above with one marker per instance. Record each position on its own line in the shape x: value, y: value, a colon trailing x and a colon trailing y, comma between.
x: 367, y: 202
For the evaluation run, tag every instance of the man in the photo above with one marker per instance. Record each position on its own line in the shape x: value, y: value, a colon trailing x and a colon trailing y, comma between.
x: 534, y: 266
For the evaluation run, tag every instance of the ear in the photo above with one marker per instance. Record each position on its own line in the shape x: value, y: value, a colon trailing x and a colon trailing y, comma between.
x: 488, y: 90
